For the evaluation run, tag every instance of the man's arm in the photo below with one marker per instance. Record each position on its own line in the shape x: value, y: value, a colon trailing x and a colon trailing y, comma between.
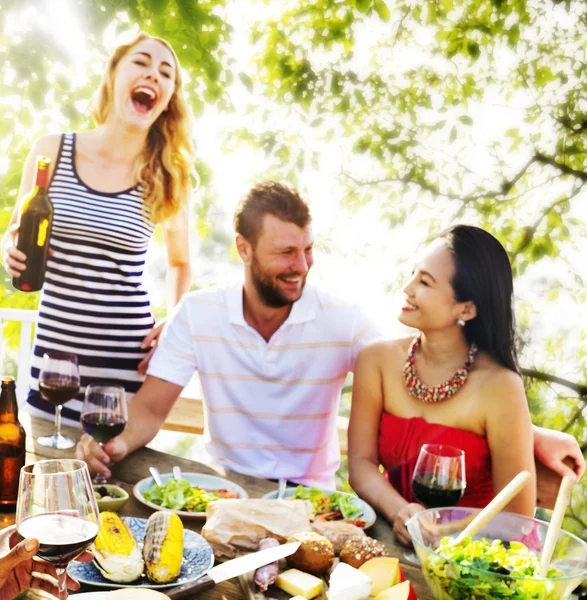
x: 146, y: 414
x: 551, y: 447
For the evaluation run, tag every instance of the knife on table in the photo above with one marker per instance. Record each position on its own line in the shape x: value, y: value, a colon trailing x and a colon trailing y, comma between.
x: 233, y: 568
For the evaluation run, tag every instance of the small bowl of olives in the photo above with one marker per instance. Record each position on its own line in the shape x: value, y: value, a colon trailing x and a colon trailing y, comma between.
x: 110, y: 497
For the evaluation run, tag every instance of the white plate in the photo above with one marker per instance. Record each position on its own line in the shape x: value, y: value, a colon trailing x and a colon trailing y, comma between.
x: 198, y: 558
x: 207, y: 482
x: 368, y: 514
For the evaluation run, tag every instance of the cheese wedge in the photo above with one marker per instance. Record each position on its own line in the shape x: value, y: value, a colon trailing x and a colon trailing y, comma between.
x: 298, y: 583
x: 383, y: 570
x: 348, y: 583
x: 401, y: 591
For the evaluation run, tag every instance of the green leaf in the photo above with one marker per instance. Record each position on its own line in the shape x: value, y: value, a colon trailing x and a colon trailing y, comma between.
x: 453, y: 134
x: 246, y: 81
x: 382, y: 10
x: 466, y: 120
x: 363, y: 6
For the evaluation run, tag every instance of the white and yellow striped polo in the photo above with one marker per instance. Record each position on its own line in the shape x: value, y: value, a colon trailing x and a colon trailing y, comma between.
x: 270, y: 407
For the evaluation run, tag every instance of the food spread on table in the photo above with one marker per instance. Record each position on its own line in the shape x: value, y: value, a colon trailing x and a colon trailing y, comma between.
x: 335, y: 560
x: 179, y: 494
x: 118, y: 557
x: 513, y: 559
x: 330, y: 507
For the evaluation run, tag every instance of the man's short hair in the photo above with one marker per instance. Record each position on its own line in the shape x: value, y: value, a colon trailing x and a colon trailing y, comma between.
x: 269, y: 198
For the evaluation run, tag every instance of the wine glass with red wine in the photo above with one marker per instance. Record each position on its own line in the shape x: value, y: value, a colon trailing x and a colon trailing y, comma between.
x: 59, y: 382
x: 438, y: 479
x: 104, y: 414
x: 56, y: 504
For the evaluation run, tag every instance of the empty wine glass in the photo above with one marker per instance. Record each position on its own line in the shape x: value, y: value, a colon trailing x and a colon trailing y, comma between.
x: 438, y: 480
x: 56, y: 504
x: 104, y: 414
x: 59, y: 382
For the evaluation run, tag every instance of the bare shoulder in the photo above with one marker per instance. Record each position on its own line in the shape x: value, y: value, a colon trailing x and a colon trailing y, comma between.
x: 501, y: 383
x: 386, y: 349
x: 48, y: 145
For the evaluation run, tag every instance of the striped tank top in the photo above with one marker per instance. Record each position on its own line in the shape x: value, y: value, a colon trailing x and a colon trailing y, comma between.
x: 93, y: 303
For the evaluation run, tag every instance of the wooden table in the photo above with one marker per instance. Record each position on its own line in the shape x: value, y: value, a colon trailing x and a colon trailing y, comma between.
x: 136, y: 467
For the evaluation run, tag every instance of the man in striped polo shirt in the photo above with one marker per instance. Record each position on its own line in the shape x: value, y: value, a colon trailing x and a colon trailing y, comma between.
x: 272, y: 355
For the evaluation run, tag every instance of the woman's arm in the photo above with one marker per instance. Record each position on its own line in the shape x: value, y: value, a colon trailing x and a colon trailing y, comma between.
x: 179, y: 272
x: 179, y: 275
x: 48, y: 145
x: 364, y: 474
x: 510, y: 438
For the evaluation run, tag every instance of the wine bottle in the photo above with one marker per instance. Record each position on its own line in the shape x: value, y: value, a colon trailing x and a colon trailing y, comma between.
x: 12, y: 445
x: 36, y: 219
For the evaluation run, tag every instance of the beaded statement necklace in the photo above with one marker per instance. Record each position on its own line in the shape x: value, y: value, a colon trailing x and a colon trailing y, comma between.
x: 435, y: 393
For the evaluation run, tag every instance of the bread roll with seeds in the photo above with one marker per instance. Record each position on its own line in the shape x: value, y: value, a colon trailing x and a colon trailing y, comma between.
x: 315, y: 554
x: 359, y: 550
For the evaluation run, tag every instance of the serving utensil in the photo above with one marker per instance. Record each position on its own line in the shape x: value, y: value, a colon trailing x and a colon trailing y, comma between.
x: 496, y: 505
x: 176, y: 473
x: 233, y: 568
x: 281, y: 485
x: 558, y: 514
x: 155, y: 474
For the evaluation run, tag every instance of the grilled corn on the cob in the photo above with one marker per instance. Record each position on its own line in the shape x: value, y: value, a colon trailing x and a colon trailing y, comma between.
x: 163, y: 546
x: 116, y: 553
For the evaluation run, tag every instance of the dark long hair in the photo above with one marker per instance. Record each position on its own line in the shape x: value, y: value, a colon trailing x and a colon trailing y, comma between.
x: 483, y: 275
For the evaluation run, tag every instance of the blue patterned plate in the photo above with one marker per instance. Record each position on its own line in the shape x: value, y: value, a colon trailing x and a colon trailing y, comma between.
x: 198, y: 558
x: 367, y: 515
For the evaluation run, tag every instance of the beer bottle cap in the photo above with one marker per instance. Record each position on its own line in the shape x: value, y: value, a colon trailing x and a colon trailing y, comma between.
x: 7, y: 381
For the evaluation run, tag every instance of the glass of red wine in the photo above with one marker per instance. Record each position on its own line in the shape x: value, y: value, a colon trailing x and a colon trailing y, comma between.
x: 104, y: 414
x: 438, y: 480
x: 56, y: 505
x: 59, y: 382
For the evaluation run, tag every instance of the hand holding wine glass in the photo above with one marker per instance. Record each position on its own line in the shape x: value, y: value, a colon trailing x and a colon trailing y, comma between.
x: 59, y: 381
x: 104, y: 414
x: 438, y: 480
x: 57, y: 506
x: 439, y: 475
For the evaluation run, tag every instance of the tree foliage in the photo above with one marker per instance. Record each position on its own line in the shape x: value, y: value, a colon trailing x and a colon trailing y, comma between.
x: 441, y: 111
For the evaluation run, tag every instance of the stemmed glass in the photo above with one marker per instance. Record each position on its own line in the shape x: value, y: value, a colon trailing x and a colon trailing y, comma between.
x: 59, y: 382
x: 438, y: 480
x: 104, y: 414
x: 56, y: 505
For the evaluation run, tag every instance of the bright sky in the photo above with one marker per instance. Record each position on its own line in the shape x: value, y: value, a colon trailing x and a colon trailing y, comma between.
x: 357, y: 256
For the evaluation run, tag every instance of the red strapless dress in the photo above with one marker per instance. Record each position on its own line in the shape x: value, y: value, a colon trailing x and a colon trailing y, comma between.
x: 400, y: 441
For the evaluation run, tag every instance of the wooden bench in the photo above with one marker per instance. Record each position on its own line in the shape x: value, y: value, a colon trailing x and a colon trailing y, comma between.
x: 187, y: 415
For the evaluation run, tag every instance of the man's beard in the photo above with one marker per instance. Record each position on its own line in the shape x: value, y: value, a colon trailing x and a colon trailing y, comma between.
x: 270, y: 295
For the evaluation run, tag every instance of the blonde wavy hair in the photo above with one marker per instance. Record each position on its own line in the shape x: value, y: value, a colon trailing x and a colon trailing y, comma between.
x: 166, y: 162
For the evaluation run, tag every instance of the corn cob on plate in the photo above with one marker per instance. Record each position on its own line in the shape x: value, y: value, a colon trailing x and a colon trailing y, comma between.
x: 197, y: 558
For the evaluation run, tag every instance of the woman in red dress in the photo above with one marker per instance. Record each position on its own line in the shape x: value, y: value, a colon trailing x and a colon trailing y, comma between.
x: 456, y: 383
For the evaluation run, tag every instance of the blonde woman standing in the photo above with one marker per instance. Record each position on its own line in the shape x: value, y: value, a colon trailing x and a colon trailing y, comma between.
x: 110, y: 186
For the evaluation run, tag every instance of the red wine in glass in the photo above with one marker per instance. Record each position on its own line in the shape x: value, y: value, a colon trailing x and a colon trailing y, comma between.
x: 57, y: 505
x: 57, y: 390
x: 63, y: 537
x: 438, y: 480
x: 104, y: 414
x: 424, y: 486
x: 103, y: 427
x: 59, y: 382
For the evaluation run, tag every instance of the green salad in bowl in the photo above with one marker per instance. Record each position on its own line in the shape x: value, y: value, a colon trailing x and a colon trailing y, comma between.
x: 501, y: 562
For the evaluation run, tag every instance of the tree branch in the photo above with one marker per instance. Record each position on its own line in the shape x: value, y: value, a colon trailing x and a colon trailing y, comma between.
x: 547, y: 160
x: 580, y: 388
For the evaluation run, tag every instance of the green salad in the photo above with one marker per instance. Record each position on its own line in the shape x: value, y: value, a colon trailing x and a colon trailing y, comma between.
x: 178, y: 494
x: 328, y: 504
x: 511, y: 560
